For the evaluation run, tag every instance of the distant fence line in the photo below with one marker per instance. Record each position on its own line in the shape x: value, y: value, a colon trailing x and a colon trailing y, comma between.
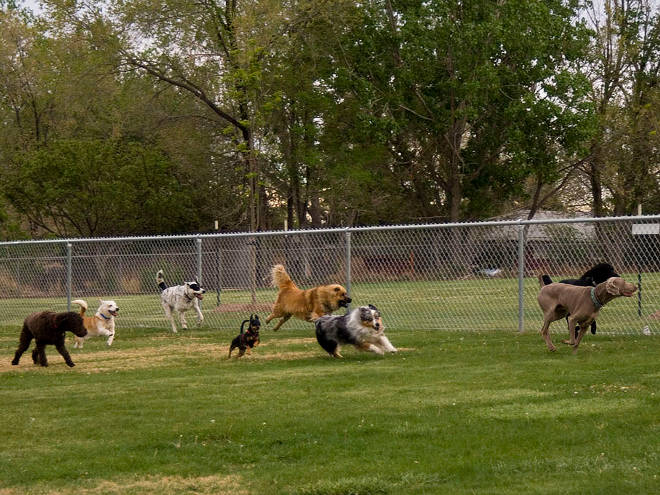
x: 454, y: 276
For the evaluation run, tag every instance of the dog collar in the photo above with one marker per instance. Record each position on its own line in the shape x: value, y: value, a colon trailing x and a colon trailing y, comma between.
x: 104, y: 317
x: 594, y: 299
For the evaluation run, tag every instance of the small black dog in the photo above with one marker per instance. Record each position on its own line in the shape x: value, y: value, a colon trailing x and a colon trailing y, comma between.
x: 48, y: 328
x: 591, y: 278
x: 247, y: 339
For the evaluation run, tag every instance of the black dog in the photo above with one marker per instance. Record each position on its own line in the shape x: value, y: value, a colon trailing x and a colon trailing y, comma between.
x: 592, y: 277
x: 48, y: 328
x: 246, y: 340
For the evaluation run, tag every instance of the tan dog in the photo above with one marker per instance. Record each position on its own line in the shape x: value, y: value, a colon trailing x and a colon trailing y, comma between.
x: 308, y: 305
x: 101, y: 324
x: 581, y: 304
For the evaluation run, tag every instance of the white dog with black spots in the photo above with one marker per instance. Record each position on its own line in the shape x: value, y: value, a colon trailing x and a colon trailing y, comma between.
x: 179, y: 299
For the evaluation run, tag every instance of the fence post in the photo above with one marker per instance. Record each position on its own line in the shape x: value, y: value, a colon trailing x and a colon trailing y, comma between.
x: 199, y: 260
x: 68, y: 276
x: 348, y: 266
x: 639, y: 293
x: 199, y: 263
x: 218, y: 261
x: 521, y: 277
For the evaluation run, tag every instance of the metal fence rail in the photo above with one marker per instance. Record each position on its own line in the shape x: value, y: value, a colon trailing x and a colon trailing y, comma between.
x: 468, y: 276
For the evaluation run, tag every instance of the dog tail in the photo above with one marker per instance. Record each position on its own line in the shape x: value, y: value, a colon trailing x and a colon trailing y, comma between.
x: 280, y: 277
x: 160, y: 280
x: 544, y: 280
x: 82, y: 304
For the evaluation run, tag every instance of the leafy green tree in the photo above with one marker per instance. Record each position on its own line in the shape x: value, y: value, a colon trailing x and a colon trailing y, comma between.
x: 58, y: 87
x: 625, y: 66
x: 469, y: 103
x: 99, y: 188
x: 25, y: 93
x: 203, y: 49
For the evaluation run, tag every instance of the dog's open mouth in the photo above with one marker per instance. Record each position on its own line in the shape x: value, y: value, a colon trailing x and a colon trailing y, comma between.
x: 199, y: 296
x: 344, y: 302
x: 629, y: 293
x: 113, y: 313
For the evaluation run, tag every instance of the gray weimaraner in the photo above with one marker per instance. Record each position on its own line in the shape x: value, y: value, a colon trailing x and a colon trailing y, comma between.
x: 582, y: 305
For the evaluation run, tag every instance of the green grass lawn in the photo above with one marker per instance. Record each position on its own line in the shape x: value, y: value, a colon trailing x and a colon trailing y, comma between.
x: 452, y: 412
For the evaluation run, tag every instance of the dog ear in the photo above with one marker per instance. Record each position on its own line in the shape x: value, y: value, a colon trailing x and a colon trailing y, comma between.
x: 612, y: 287
x: 365, y: 314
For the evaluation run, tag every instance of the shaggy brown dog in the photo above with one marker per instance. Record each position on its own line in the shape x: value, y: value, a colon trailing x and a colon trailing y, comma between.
x: 48, y: 328
x: 582, y: 304
x: 308, y: 305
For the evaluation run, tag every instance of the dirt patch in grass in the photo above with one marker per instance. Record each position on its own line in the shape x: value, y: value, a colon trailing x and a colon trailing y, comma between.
x: 150, y: 357
x: 174, y: 485
x: 169, y: 485
x: 119, y: 359
x: 282, y: 356
x: 159, y: 355
x: 303, y: 340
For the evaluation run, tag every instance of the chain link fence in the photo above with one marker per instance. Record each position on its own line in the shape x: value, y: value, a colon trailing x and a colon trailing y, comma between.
x: 466, y: 277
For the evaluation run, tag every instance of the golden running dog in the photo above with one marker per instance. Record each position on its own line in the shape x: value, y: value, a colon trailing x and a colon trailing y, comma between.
x: 363, y: 327
x: 102, y: 324
x: 308, y: 305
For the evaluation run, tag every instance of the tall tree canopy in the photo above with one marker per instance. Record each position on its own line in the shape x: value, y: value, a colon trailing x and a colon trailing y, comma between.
x: 316, y: 113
